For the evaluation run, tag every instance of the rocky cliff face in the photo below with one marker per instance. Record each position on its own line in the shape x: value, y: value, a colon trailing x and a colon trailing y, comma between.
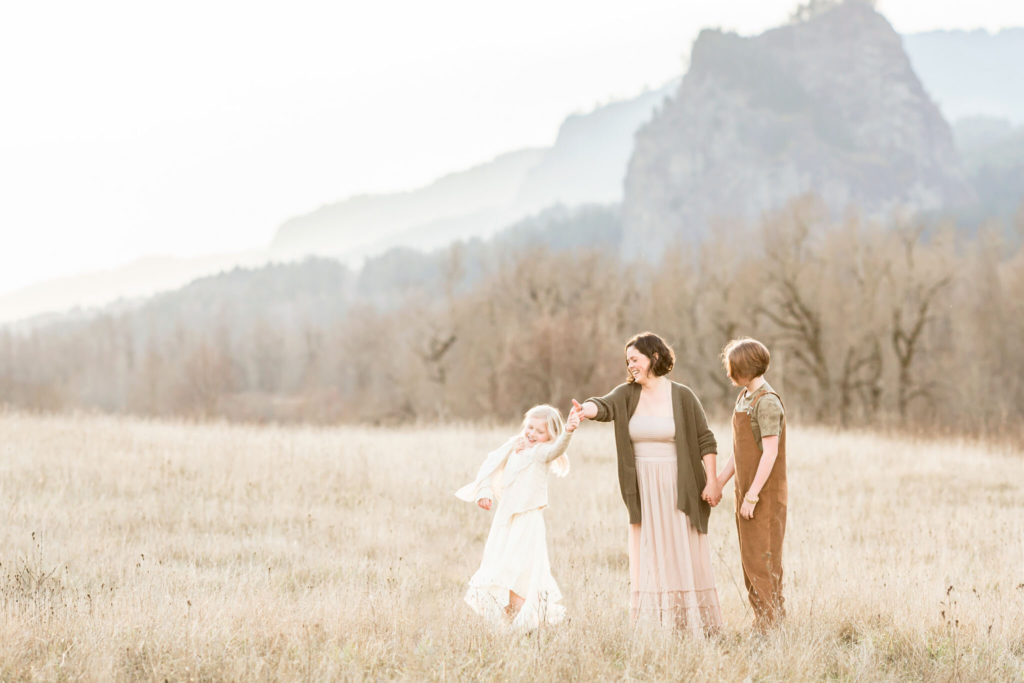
x: 830, y: 106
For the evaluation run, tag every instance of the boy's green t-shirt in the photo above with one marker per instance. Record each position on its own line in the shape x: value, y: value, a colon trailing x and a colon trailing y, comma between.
x: 766, y: 420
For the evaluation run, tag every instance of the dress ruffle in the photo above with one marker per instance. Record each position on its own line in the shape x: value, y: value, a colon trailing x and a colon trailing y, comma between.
x: 516, y: 559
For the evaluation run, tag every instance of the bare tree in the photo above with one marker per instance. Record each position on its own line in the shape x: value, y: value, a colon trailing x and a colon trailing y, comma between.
x: 856, y: 266
x: 791, y: 303
x: 918, y: 280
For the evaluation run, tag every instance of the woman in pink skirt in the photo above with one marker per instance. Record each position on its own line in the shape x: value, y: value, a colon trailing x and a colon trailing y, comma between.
x: 665, y: 452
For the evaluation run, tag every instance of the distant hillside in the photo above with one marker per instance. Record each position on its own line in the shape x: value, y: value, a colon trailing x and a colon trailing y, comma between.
x: 141, y: 278
x: 355, y: 224
x: 586, y: 165
x: 971, y: 73
x: 993, y: 154
x: 320, y: 291
x: 829, y: 105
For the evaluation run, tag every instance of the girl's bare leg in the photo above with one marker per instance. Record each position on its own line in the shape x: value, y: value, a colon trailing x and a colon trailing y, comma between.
x: 515, y: 603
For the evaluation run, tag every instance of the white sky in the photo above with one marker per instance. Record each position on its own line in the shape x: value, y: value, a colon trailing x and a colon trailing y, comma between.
x: 133, y: 128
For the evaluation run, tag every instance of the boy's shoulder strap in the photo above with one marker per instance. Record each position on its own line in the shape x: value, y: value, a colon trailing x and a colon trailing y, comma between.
x: 753, y: 404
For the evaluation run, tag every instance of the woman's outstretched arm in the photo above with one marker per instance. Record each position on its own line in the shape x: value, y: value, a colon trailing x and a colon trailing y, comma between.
x: 602, y: 408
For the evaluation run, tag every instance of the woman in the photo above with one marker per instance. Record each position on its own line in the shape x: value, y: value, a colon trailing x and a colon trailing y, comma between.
x: 665, y: 454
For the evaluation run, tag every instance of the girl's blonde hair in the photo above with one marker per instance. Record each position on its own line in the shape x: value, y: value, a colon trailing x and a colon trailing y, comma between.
x: 556, y: 426
x: 551, y: 414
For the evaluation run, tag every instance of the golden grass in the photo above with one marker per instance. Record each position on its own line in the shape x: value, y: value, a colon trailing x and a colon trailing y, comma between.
x: 155, y: 550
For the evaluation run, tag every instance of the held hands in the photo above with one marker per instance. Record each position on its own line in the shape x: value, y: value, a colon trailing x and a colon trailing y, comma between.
x: 573, y: 421
x: 578, y: 409
x: 576, y: 416
x: 485, y: 503
x: 712, y: 492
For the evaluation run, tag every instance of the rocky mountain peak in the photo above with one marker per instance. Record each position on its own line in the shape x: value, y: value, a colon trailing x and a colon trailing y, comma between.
x: 829, y: 105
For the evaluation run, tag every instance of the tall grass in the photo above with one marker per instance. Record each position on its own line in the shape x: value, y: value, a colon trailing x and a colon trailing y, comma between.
x: 157, y: 550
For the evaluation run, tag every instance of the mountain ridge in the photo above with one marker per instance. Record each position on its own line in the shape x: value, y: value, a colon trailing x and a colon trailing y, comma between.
x: 930, y: 54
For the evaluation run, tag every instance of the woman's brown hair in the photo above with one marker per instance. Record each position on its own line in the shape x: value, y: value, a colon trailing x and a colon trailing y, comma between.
x: 745, y: 358
x: 661, y: 355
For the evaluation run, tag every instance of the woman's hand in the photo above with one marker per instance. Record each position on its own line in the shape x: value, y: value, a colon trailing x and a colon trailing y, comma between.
x: 485, y: 503
x: 712, y: 492
x: 520, y: 443
x: 747, y: 508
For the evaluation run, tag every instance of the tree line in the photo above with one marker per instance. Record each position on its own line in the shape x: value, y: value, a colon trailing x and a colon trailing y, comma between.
x: 893, y: 323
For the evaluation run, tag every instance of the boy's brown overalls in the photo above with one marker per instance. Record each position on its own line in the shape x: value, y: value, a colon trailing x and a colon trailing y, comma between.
x: 761, y: 537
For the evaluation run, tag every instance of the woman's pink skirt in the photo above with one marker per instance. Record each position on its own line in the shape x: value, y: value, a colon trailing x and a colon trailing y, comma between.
x: 670, y: 573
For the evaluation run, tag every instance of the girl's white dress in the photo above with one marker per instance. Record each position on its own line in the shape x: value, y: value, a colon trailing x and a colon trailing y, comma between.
x: 516, y: 551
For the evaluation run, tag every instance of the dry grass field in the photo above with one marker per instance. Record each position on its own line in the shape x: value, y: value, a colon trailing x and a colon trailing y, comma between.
x: 140, y: 550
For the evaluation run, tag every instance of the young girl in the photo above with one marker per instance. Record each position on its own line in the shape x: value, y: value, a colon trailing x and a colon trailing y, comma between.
x: 759, y: 462
x: 514, y: 584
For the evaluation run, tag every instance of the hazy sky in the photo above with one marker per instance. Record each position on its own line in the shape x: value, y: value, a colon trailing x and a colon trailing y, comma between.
x: 133, y: 128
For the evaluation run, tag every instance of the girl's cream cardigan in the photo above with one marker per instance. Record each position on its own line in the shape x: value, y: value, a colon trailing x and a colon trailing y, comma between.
x: 523, y: 487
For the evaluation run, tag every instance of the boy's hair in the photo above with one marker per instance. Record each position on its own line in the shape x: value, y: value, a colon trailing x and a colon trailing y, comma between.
x: 652, y: 345
x: 745, y: 358
x: 554, y: 418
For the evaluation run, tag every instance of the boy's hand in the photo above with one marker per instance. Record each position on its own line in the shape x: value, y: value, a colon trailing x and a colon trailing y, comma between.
x: 485, y: 503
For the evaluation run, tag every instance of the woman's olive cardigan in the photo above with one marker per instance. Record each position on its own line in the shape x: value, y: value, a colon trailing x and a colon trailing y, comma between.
x: 694, y: 440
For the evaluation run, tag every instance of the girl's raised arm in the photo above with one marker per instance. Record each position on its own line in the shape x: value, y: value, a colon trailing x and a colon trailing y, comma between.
x: 547, y: 452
